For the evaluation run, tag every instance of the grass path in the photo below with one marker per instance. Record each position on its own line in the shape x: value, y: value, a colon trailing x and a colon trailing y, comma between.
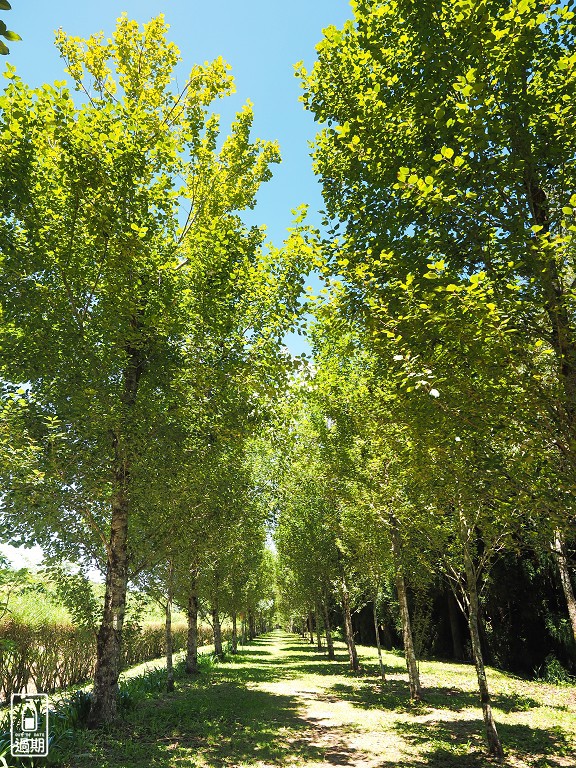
x: 282, y: 703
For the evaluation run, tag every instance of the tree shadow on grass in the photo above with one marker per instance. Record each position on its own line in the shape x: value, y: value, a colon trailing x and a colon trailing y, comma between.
x: 456, y: 743
x: 394, y: 694
x: 316, y: 664
x: 454, y: 699
x: 266, y: 655
x: 300, y: 648
x: 218, y: 723
x: 300, y: 658
x: 245, y: 668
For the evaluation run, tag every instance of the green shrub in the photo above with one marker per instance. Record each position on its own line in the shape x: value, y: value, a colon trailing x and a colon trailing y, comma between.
x: 554, y: 672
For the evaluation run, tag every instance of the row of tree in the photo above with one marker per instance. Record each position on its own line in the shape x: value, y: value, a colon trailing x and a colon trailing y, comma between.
x: 141, y: 332
x: 437, y: 430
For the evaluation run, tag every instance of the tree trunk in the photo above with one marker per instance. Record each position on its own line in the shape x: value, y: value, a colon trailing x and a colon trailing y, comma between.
x: 169, y: 645
x: 310, y: 627
x: 494, y: 745
x: 377, y: 631
x: 192, y: 637
x: 217, y: 633
x: 559, y: 550
x: 318, y: 635
x: 109, y: 642
x: 328, y: 630
x: 348, y: 631
x: 557, y: 296
x: 234, y: 634
x: 558, y: 301
x: 454, y: 614
x: 409, y: 653
x: 251, y: 626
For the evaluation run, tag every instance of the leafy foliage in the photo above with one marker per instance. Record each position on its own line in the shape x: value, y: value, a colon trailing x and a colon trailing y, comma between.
x: 4, y: 32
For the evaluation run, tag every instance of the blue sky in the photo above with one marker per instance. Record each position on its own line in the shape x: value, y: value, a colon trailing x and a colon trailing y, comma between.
x: 261, y: 39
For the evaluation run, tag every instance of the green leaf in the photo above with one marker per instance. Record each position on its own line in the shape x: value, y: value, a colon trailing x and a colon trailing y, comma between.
x: 5, y: 5
x: 447, y: 152
x: 3, y: 49
x: 9, y: 35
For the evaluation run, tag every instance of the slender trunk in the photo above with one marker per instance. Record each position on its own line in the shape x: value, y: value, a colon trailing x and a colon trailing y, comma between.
x: 169, y: 643
x: 328, y: 630
x: 244, y: 630
x: 494, y: 745
x: 409, y: 653
x: 558, y: 301
x: 318, y: 635
x: 454, y: 615
x: 559, y: 550
x: 557, y: 297
x: 348, y: 631
x: 377, y: 631
x: 192, y: 637
x: 310, y: 627
x: 234, y: 634
x: 217, y: 633
x: 109, y: 642
x: 169, y: 648
x: 251, y: 626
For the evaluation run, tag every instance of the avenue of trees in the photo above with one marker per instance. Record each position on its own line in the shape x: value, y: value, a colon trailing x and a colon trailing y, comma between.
x: 154, y: 424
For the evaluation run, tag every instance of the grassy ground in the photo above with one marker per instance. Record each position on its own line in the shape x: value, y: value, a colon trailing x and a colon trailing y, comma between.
x: 282, y: 703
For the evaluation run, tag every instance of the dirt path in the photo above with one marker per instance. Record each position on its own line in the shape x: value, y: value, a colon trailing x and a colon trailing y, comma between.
x: 336, y: 728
